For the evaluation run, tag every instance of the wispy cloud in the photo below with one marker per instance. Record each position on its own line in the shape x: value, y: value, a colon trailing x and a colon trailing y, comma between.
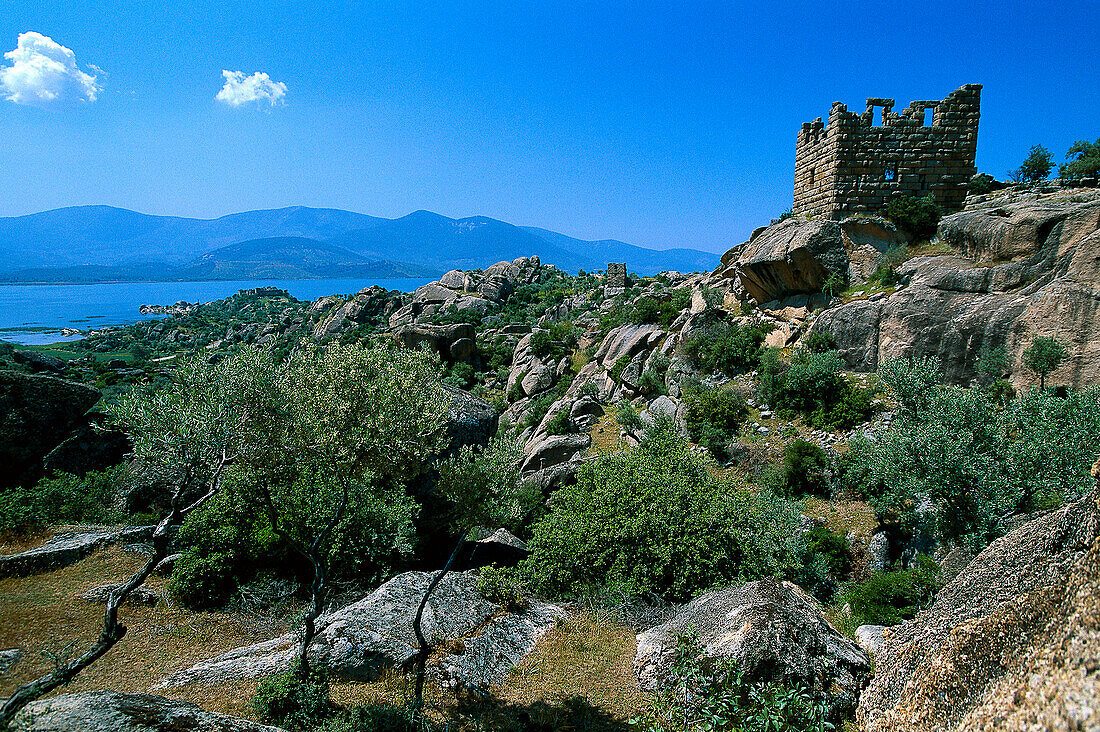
x: 240, y: 89
x: 43, y: 71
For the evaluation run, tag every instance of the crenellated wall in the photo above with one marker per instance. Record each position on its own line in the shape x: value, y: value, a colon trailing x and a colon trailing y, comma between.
x: 856, y: 163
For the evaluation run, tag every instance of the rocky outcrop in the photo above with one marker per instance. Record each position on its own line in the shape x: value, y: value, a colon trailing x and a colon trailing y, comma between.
x: 452, y: 342
x: 1011, y: 643
x: 364, y: 639
x: 470, y: 420
x: 91, y: 447
x: 37, y: 413
x: 773, y: 630
x: 110, y: 711
x: 792, y: 256
x: 137, y: 596
x: 67, y: 548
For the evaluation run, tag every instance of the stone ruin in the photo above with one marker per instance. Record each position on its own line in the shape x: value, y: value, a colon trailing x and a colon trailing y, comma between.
x: 856, y: 163
x: 616, y: 275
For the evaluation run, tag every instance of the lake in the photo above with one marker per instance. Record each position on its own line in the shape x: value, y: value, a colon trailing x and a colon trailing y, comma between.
x: 35, y: 314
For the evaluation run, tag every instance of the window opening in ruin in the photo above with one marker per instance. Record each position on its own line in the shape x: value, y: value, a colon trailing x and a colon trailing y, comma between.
x: 879, y: 117
x: 927, y: 117
x: 813, y: 175
x: 924, y: 183
x: 891, y: 173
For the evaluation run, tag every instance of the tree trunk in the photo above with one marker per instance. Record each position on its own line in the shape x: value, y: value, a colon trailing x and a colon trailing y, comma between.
x: 425, y: 647
x: 113, y: 631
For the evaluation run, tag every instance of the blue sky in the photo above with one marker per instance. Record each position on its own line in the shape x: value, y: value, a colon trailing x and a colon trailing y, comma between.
x: 661, y: 124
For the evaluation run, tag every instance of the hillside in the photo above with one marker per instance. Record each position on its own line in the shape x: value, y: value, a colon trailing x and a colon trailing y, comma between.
x: 38, y: 247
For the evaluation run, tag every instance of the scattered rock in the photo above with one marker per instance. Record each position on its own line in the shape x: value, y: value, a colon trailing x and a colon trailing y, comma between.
x: 773, y: 630
x: 362, y: 640
x: 66, y: 548
x: 110, y: 711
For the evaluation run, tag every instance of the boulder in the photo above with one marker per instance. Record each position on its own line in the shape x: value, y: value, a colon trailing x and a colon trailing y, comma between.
x: 137, y: 596
x: 792, y: 256
x: 440, y: 338
x: 37, y: 413
x: 37, y: 361
x: 1011, y: 643
x: 363, y: 640
x: 500, y: 548
x: 470, y: 421
x: 110, y: 711
x: 553, y: 450
x: 9, y: 657
x: 772, y: 630
x: 89, y: 448
x: 67, y: 548
x: 1025, y: 267
x: 871, y: 638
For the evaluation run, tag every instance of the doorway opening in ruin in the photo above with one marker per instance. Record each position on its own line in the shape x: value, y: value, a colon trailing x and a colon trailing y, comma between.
x: 927, y: 117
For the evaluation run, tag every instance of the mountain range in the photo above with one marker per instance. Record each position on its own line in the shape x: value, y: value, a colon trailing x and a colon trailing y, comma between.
x: 103, y: 243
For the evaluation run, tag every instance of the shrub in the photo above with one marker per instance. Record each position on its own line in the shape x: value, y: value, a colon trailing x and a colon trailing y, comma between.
x: 957, y: 462
x: 701, y: 693
x: 654, y: 520
x: 819, y: 341
x: 811, y: 385
x: 732, y: 349
x: 501, y: 585
x: 542, y: 343
x: 918, y: 216
x: 891, y: 597
x: 886, y: 274
x: 560, y: 423
x: 714, y: 416
x: 1082, y: 161
x: 627, y: 416
x: 651, y: 384
x: 804, y: 468
x: 833, y: 548
x: 460, y: 375
x: 64, y: 498
x: 618, y: 367
x: 981, y: 183
x: 291, y: 702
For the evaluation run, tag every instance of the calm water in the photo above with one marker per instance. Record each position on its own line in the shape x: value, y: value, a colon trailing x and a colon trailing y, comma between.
x: 35, y: 314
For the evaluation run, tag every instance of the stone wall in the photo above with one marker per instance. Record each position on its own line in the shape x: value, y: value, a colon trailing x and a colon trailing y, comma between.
x: 856, y: 163
x: 616, y: 274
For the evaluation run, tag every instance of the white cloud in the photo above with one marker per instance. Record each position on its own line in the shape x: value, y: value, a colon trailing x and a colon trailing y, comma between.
x: 240, y: 89
x: 43, y: 71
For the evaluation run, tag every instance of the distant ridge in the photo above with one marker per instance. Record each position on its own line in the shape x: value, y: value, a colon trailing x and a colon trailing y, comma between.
x: 103, y: 243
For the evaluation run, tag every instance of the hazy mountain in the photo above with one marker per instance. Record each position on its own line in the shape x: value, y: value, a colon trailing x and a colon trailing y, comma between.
x: 74, y: 244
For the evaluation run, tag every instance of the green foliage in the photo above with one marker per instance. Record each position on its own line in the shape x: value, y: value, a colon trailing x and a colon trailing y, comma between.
x: 833, y: 285
x: 957, y: 461
x: 714, y: 416
x: 619, y: 366
x: 627, y: 416
x: 732, y: 348
x: 482, y: 485
x: 981, y: 183
x: 651, y: 384
x: 64, y: 498
x: 501, y: 585
x: 1036, y: 166
x: 886, y: 274
x: 804, y: 469
x: 1043, y: 356
x: 818, y: 341
x: 542, y: 343
x: 560, y: 423
x: 811, y: 385
x: 917, y: 215
x: 832, y: 548
x: 1082, y: 161
x: 783, y: 216
x: 460, y: 375
x: 654, y: 520
x: 660, y: 309
x: 293, y: 703
x: 707, y: 694
x: 891, y: 597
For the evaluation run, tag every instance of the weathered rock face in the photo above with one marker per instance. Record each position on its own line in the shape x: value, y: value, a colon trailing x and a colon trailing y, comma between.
x: 773, y: 630
x: 362, y: 640
x: 440, y: 338
x: 1031, y: 267
x: 89, y: 448
x: 790, y: 257
x: 471, y: 421
x: 1011, y: 643
x: 37, y: 413
x: 109, y: 711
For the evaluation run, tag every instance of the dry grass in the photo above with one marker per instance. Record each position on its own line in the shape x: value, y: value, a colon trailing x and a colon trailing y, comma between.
x: 44, y: 615
x: 843, y: 517
x: 579, y: 677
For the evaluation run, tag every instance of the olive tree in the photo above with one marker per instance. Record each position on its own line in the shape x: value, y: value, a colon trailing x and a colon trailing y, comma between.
x: 1043, y: 356
x: 347, y: 422
x: 186, y: 437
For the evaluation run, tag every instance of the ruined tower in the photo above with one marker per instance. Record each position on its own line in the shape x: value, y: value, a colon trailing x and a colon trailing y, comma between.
x: 856, y: 162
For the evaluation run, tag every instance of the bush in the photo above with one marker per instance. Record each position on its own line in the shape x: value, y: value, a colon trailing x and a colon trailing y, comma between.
x: 919, y: 216
x: 891, y: 597
x: 732, y: 349
x: 959, y: 461
x: 811, y: 385
x: 701, y: 693
x: 1082, y: 161
x: 627, y: 416
x: 500, y: 585
x: 804, y: 467
x: 654, y: 520
x: 832, y: 548
x: 981, y: 183
x: 542, y: 343
x: 819, y: 341
x: 293, y: 703
x: 64, y: 498
x: 1036, y: 166
x: 714, y: 416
